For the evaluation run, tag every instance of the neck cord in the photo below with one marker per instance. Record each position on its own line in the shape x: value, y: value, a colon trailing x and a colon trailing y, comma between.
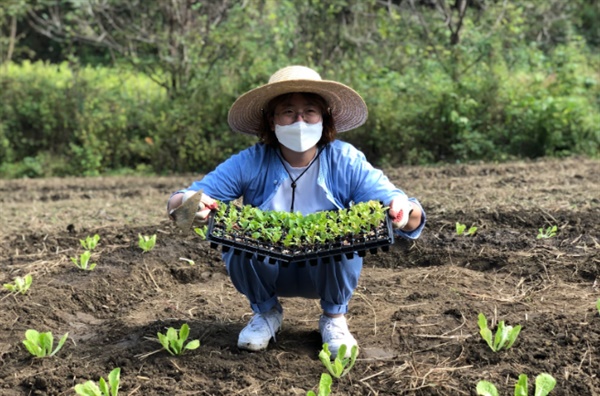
x: 299, y: 176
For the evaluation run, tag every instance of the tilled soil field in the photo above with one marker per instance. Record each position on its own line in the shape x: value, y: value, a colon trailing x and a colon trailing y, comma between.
x: 414, y: 313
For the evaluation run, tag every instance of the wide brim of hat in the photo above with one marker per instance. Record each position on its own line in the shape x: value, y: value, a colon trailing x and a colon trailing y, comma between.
x: 348, y: 108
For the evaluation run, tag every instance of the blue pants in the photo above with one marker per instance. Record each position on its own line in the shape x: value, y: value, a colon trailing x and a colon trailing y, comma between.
x: 262, y: 283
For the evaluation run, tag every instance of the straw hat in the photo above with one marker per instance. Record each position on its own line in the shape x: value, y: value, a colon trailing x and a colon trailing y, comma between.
x: 348, y: 109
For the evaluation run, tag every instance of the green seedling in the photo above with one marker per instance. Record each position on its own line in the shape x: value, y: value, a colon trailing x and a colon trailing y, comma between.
x: 174, y: 340
x: 544, y: 384
x: 146, y: 243
x: 505, y: 335
x: 486, y: 388
x: 40, y: 344
x: 324, y: 386
x: 461, y: 228
x: 90, y: 243
x: 19, y: 285
x: 104, y: 388
x: 187, y: 260
x: 341, y: 365
x: 295, y: 229
x: 83, y: 261
x: 547, y: 233
x: 201, y: 231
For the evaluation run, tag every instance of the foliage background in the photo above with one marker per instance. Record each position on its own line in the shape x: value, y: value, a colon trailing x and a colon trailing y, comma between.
x: 90, y: 87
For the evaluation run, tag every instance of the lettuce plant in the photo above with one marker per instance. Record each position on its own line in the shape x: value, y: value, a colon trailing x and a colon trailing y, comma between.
x: 20, y: 284
x: 40, y: 344
x: 544, y: 384
x: 83, y: 261
x: 505, y: 335
x: 461, y: 228
x: 90, y: 243
x: 324, y: 386
x: 187, y: 260
x: 486, y: 388
x: 146, y: 243
x: 174, y: 340
x: 341, y: 365
x: 547, y: 233
x: 104, y: 388
x: 201, y: 231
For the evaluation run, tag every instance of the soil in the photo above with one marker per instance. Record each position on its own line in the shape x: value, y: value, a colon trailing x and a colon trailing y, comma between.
x: 414, y: 313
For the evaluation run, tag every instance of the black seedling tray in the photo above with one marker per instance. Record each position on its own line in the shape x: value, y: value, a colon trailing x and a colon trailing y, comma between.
x: 380, y: 238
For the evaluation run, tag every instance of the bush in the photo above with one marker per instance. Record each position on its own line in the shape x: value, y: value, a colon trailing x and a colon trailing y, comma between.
x: 59, y: 120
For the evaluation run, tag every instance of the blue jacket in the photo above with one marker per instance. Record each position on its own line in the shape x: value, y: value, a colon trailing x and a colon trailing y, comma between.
x: 344, y: 173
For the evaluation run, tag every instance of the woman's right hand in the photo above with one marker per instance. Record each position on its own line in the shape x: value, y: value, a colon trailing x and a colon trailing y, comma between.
x: 205, y: 205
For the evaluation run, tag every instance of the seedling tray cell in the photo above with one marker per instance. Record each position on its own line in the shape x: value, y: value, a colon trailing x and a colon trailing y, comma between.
x: 378, y: 237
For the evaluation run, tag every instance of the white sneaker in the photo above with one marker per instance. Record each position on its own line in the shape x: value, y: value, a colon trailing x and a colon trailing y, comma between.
x: 335, y: 333
x: 259, y: 331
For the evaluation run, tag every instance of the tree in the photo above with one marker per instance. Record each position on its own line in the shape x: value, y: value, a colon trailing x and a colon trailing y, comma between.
x: 173, y: 42
x: 10, y: 12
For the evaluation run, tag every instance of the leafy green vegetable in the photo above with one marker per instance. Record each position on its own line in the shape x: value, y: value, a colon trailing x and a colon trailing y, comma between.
x: 90, y: 243
x: 296, y: 229
x: 544, y: 384
x: 174, y: 340
x: 505, y: 335
x: 486, y: 388
x: 324, y: 386
x: 40, y: 344
x: 110, y: 388
x: 20, y: 284
x: 547, y: 233
x: 341, y: 365
x: 83, y: 262
x: 201, y: 231
x: 146, y: 243
x: 460, y: 229
x: 521, y: 386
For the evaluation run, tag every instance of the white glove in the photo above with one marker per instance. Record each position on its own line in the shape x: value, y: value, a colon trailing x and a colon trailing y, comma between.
x: 400, y: 210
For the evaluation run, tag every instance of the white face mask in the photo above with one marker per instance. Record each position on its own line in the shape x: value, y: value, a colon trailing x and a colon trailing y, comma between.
x: 299, y: 136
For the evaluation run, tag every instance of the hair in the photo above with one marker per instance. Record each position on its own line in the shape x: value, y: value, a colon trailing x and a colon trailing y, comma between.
x: 267, y: 135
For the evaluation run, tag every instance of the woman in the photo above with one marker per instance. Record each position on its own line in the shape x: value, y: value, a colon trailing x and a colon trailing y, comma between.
x: 298, y: 165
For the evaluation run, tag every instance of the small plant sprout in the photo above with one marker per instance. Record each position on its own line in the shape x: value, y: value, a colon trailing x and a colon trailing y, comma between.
x: 341, y: 365
x: 546, y: 233
x: 201, y: 231
x: 324, y: 386
x: 146, y: 243
x: 505, y: 335
x: 462, y: 229
x: 544, y: 384
x: 187, y: 260
x: 20, y: 284
x: 83, y: 261
x: 104, y: 388
x: 90, y: 243
x: 598, y: 306
x: 40, y: 344
x: 174, y: 340
x: 486, y: 388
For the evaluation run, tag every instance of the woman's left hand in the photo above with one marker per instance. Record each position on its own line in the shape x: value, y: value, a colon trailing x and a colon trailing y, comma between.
x: 405, y: 215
